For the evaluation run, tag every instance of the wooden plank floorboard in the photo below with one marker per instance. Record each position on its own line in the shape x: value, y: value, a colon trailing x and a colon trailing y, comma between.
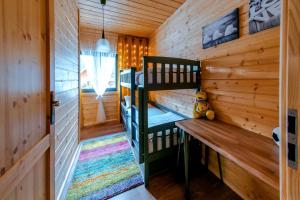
x: 165, y: 186
x: 101, y: 130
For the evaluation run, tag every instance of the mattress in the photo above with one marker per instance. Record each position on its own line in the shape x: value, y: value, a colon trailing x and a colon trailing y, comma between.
x: 154, y: 120
x: 157, y: 116
x: 139, y: 76
x: 152, y: 111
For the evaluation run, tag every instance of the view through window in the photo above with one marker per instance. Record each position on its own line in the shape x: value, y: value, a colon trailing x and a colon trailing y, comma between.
x: 85, y: 78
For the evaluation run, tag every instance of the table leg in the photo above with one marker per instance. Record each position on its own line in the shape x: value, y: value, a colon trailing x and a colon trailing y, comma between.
x: 206, y: 157
x: 179, y: 147
x: 220, y: 166
x: 186, y: 164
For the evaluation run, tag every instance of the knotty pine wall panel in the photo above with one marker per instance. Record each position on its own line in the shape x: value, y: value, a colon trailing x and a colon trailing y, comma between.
x: 66, y: 87
x: 241, y: 78
x: 89, y: 105
x: 23, y: 99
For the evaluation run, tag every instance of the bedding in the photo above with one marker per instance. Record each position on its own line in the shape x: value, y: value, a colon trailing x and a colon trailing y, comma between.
x: 152, y: 111
x: 157, y: 116
x: 127, y: 101
x: 139, y: 76
x: 167, y: 117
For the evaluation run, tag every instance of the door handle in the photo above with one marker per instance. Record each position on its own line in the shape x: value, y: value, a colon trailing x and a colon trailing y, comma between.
x: 55, y: 103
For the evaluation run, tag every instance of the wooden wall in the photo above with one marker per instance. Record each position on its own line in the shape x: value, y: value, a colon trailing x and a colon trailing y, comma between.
x: 24, y: 141
x: 89, y: 104
x: 90, y: 36
x: 66, y: 88
x: 241, y: 78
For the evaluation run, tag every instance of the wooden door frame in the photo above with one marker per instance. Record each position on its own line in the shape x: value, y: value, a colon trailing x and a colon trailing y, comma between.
x: 283, y: 98
x: 80, y: 119
x: 51, y: 87
x: 288, y: 67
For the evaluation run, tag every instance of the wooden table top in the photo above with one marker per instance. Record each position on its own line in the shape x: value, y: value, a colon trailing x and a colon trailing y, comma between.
x: 256, y: 154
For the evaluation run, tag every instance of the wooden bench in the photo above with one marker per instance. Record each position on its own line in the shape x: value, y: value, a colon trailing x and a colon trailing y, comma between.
x: 256, y: 154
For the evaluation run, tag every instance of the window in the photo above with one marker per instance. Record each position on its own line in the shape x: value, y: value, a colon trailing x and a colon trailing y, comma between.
x: 85, y: 78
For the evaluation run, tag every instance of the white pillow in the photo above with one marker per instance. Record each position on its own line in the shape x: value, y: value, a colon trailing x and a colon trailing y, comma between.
x: 127, y: 101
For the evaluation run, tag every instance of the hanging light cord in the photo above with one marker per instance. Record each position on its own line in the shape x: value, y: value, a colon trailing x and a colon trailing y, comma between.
x: 103, y: 21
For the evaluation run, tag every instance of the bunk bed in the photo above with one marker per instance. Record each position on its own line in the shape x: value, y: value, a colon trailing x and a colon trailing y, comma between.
x: 151, y: 127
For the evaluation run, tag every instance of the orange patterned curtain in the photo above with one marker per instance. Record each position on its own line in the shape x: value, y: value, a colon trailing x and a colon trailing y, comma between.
x: 131, y: 51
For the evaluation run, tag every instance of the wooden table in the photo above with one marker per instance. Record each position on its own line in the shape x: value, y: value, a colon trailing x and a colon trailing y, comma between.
x: 255, y: 153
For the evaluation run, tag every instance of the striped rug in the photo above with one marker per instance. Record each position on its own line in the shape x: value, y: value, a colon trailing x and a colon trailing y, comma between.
x: 106, y: 168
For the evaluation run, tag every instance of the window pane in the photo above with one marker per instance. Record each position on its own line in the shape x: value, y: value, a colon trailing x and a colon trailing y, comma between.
x: 112, y: 83
x: 85, y: 80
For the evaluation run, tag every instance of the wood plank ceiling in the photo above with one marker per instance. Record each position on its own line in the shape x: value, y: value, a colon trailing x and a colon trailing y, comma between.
x: 132, y: 17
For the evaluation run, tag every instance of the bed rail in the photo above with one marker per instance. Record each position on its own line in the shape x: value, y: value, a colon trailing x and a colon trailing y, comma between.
x: 164, y: 73
x: 127, y: 77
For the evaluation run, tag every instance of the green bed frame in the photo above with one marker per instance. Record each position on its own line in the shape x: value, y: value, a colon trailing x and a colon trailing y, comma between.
x: 140, y: 127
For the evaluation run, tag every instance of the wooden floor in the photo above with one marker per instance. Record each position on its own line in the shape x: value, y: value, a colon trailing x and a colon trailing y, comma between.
x: 100, y: 130
x: 167, y: 185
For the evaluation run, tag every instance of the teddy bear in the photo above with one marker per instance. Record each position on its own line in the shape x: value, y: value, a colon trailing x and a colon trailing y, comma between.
x: 202, y: 108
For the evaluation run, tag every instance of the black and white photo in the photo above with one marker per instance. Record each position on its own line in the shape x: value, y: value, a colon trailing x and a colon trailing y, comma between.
x: 223, y: 30
x: 263, y: 14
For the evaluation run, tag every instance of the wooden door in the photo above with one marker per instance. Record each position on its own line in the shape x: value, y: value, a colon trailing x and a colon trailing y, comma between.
x: 24, y: 134
x: 290, y: 100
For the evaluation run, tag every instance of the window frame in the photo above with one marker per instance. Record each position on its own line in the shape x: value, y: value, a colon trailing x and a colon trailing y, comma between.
x: 108, y: 89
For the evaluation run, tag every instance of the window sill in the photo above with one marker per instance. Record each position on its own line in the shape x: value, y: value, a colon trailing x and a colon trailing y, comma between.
x: 94, y: 93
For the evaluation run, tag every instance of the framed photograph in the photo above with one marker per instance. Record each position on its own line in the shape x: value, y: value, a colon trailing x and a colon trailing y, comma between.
x: 222, y: 30
x: 263, y: 14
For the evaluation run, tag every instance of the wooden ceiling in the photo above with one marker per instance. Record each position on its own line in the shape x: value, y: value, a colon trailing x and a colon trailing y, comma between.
x: 132, y: 17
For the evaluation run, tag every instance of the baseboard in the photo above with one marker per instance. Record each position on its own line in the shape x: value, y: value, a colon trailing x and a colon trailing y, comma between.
x: 111, y: 121
x: 65, y: 186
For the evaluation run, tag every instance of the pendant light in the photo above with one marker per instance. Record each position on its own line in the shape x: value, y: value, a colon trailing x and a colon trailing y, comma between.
x: 102, y: 44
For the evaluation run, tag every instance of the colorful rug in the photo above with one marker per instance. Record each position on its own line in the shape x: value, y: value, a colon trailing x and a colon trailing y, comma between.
x: 106, y: 168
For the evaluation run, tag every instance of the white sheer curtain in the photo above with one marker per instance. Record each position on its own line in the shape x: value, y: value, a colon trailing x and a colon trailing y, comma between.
x: 100, y: 67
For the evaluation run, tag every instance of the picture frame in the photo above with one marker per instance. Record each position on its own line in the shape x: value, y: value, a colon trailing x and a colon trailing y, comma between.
x: 223, y: 30
x: 263, y: 14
